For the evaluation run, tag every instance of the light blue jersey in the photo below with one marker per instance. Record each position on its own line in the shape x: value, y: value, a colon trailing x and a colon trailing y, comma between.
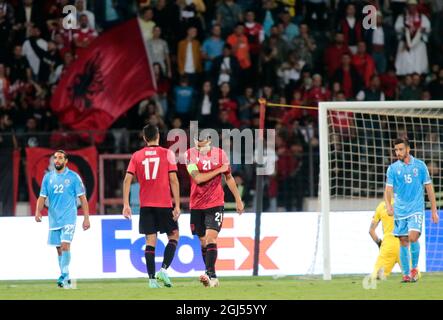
x: 408, y: 182
x: 62, y: 191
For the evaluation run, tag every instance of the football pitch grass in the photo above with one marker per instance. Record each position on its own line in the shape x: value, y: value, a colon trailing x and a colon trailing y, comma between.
x: 430, y: 286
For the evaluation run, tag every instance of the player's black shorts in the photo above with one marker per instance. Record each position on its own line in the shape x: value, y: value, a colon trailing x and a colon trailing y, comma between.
x: 202, y: 219
x: 153, y: 220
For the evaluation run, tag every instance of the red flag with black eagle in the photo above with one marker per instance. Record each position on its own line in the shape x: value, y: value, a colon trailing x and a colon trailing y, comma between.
x: 105, y: 81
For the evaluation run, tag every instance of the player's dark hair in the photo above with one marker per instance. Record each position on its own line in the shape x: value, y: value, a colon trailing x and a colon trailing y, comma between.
x: 150, y: 132
x: 202, y: 135
x: 401, y: 140
x: 62, y: 152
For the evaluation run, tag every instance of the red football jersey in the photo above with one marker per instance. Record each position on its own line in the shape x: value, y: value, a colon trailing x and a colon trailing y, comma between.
x: 208, y: 194
x: 151, y: 165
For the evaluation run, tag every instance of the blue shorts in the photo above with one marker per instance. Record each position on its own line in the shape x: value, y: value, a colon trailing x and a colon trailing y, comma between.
x: 411, y: 223
x: 64, y: 234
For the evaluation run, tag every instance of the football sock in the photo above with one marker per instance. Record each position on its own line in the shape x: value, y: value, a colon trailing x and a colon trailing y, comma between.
x: 60, y: 263
x: 211, y: 258
x: 64, y: 262
x: 405, y: 260
x: 204, y: 255
x: 150, y: 261
x: 415, y: 252
x: 169, y: 253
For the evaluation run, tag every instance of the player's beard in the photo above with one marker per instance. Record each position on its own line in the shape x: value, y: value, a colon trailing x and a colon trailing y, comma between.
x: 59, y: 167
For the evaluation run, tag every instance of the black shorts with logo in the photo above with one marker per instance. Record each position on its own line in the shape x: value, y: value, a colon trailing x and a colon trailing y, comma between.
x: 153, y: 220
x: 202, y: 219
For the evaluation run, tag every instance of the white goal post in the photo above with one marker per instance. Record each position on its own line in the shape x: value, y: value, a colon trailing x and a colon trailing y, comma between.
x: 382, y: 121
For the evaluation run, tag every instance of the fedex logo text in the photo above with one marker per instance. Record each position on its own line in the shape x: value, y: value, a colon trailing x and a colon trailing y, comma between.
x: 111, y: 244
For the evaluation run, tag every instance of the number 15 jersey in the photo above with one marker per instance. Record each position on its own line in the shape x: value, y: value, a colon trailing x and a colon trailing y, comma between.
x: 408, y: 182
x: 152, y: 165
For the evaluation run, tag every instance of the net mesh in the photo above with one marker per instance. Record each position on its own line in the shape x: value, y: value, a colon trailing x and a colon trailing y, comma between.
x: 360, y: 150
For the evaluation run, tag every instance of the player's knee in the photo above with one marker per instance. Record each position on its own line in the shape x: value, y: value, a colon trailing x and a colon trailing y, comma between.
x: 413, y: 239
x: 65, y: 246
x: 211, y: 239
x: 404, y: 241
x: 174, y: 235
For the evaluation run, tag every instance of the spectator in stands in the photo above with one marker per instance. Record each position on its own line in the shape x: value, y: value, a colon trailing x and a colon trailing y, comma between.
x: 290, y: 30
x: 227, y: 102
x: 205, y: 106
x: 412, y: 89
x: 276, y: 42
x: 190, y: 15
x: 226, y: 68
x: 34, y: 60
x: 363, y: 63
x: 268, y: 16
x: 31, y: 137
x: 147, y: 23
x: 334, y: 53
x: 348, y: 77
x: 224, y: 121
x: 436, y: 87
x: 81, y: 9
x: 389, y: 83
x: 4, y: 87
x: 240, y: 48
x: 245, y: 103
x: 381, y: 44
x: 27, y: 17
x: 286, y: 167
x: 212, y: 47
x: 6, y: 23
x: 268, y: 66
x: 304, y: 44
x: 7, y: 12
x: 351, y: 27
x: 228, y: 15
x: 55, y: 76
x: 84, y: 36
x: 316, y: 14
x: 163, y: 17
x: 18, y: 66
x: 437, y: 36
x: 189, y: 57
x: 183, y: 95
x: 255, y: 34
x: 317, y: 92
x: 373, y: 92
x: 413, y: 30
x: 159, y: 51
x: 163, y: 88
x: 7, y: 136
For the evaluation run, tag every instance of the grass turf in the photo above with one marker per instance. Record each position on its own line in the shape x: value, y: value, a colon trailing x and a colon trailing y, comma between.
x: 231, y: 288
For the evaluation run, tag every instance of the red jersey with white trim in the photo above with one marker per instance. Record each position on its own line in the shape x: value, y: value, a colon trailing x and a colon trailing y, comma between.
x: 152, y: 165
x: 208, y: 194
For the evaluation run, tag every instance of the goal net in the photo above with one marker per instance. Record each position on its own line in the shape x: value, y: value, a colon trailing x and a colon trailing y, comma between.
x: 356, y: 148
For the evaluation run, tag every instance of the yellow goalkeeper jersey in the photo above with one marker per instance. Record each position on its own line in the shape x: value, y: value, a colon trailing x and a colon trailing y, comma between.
x: 387, y: 221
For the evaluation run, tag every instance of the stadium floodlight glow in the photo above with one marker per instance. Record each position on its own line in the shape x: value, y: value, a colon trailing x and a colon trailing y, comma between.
x: 356, y: 149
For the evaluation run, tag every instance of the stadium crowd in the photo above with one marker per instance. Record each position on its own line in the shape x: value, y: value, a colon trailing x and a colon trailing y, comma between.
x: 213, y: 59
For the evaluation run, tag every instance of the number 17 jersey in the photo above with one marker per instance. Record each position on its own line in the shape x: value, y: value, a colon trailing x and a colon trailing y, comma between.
x: 152, y: 165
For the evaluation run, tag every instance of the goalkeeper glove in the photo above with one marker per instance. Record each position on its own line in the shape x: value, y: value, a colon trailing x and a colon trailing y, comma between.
x: 379, y: 241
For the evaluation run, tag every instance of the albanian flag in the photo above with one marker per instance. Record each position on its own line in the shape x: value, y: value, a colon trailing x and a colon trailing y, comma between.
x: 105, y: 81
